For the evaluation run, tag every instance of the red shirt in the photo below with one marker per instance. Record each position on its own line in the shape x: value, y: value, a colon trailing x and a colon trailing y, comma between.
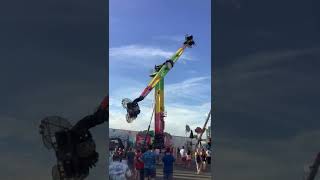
x: 120, y: 153
x: 138, y: 163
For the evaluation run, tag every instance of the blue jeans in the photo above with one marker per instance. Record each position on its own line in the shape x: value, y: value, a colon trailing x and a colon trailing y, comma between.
x: 167, y: 176
x: 149, y: 172
x: 141, y: 171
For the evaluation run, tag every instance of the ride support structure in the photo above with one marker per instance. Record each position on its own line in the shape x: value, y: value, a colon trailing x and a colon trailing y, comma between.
x: 204, y: 128
x: 157, y: 83
x: 159, y: 114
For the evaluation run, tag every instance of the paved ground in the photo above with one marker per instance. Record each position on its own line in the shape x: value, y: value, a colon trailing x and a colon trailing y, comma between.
x: 185, y: 174
x: 182, y: 173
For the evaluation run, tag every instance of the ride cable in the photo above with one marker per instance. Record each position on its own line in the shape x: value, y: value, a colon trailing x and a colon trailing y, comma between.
x: 145, y: 137
x: 204, y: 128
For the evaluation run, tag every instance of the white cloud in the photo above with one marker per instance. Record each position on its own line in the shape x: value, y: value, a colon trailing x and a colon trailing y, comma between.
x: 138, y: 51
x: 197, y: 88
x: 179, y: 113
x: 187, y: 84
x: 135, y: 53
x: 176, y: 38
x: 177, y: 117
x: 193, y: 89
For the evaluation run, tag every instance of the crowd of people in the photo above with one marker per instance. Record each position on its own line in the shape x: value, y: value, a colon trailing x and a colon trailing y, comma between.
x: 201, y: 156
x: 140, y: 164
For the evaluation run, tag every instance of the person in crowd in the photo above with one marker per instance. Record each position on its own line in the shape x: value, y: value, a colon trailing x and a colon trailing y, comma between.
x: 197, y: 156
x: 168, y: 160
x: 183, y: 155
x: 161, y: 154
x: 139, y: 166
x: 149, y: 160
x: 208, y: 152
x: 174, y: 152
x: 189, y: 158
x: 157, y: 151
x: 119, y: 170
x: 114, y: 152
x: 110, y: 156
x: 178, y: 155
x: 203, y: 159
x: 120, y: 153
x: 130, y: 160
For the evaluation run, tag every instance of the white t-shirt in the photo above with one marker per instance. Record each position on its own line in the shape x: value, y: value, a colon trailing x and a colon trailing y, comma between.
x: 157, y: 151
x: 110, y: 157
x: 182, y: 153
x: 118, y: 171
x: 208, y: 153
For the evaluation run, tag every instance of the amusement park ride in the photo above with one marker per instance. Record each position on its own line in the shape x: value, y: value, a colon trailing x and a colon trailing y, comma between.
x: 157, y: 83
x: 203, y: 130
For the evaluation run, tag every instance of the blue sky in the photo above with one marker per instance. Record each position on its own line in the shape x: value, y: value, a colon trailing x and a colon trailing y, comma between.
x: 144, y: 33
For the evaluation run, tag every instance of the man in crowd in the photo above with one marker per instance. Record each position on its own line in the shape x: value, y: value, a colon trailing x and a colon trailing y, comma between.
x: 130, y: 162
x: 149, y: 160
x: 178, y: 155
x: 157, y: 151
x: 168, y: 161
x: 118, y: 170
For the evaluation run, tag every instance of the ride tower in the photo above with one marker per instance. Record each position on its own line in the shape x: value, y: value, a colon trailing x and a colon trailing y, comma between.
x: 157, y: 83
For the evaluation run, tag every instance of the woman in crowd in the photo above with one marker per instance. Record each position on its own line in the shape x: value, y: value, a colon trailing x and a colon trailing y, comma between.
x: 203, y: 159
x: 118, y: 170
x: 183, y: 155
x: 189, y: 158
x: 197, y: 156
x: 120, y: 153
x: 139, y: 166
x: 208, y: 156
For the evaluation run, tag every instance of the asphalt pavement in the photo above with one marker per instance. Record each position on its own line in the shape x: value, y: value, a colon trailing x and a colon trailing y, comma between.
x: 183, y: 173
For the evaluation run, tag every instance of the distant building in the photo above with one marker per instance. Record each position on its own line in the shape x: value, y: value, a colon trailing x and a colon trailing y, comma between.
x: 129, y: 137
